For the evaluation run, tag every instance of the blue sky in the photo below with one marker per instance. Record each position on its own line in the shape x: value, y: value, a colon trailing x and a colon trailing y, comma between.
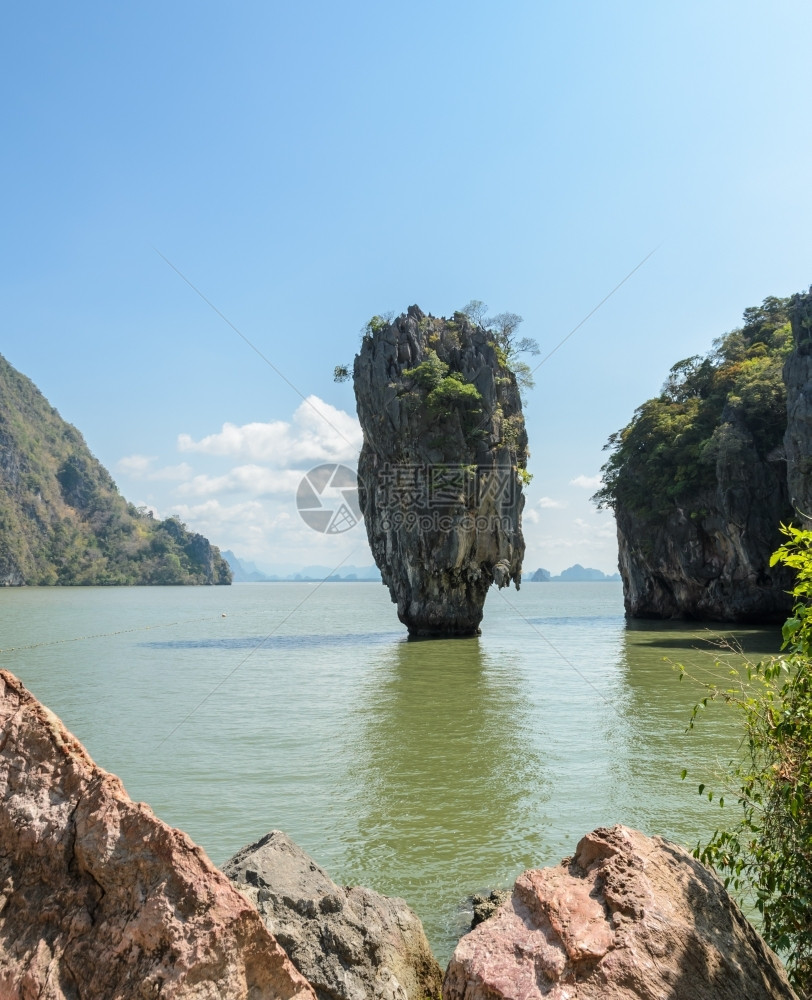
x: 307, y: 166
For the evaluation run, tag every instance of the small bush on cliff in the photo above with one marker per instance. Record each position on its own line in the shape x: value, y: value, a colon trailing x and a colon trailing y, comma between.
x: 666, y: 456
x: 429, y: 373
x: 452, y: 393
x: 446, y: 391
x: 376, y: 324
x: 766, y: 858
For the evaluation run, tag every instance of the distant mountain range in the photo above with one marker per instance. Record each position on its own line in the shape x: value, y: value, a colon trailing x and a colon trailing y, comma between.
x: 575, y: 574
x: 244, y: 571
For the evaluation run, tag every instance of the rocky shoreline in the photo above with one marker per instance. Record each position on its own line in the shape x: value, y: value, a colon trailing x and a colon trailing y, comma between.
x: 101, y: 899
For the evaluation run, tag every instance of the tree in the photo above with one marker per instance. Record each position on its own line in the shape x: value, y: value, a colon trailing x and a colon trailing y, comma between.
x: 666, y: 456
x: 502, y: 327
x: 766, y: 857
x: 476, y: 311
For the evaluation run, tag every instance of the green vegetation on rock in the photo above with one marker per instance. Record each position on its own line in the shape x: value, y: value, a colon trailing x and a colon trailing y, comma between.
x: 667, y: 455
x: 429, y: 373
x: 62, y: 519
x: 446, y: 392
x: 766, y: 857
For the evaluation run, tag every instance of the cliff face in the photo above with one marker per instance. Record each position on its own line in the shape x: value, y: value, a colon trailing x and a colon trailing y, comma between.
x: 798, y: 379
x: 62, y: 519
x: 711, y: 560
x: 440, y: 469
x: 698, y: 480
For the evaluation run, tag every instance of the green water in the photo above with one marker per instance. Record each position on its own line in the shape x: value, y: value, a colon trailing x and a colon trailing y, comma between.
x: 429, y: 770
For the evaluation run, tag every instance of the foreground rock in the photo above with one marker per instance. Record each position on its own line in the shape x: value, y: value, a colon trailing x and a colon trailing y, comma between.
x: 440, y: 468
x: 628, y: 918
x: 102, y: 900
x: 350, y: 943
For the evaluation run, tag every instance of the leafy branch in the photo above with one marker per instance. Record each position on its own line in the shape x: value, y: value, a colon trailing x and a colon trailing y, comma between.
x: 766, y: 856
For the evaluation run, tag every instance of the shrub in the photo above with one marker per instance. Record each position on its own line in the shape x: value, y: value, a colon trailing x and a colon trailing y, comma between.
x: 429, y: 373
x: 766, y: 857
x: 451, y: 394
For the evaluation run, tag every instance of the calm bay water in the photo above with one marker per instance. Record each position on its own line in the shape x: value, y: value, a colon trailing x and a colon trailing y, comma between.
x: 428, y: 770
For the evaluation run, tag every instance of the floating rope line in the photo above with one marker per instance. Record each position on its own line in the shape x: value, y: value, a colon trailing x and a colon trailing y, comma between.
x: 107, y: 635
x: 148, y: 628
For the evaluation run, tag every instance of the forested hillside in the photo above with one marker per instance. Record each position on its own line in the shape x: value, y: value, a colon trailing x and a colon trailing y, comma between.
x: 698, y: 480
x: 668, y: 453
x: 62, y: 519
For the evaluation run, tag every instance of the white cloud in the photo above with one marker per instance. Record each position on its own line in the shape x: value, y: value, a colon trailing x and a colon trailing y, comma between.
x: 213, y: 510
x: 238, y: 486
x: 262, y: 530
x: 599, y: 527
x: 547, y: 503
x: 586, y: 482
x: 318, y: 432
x: 531, y: 515
x: 140, y: 467
x: 172, y: 473
x: 256, y: 480
x: 246, y: 525
x: 136, y: 466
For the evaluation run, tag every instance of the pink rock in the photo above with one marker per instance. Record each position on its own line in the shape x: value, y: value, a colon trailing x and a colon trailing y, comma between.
x: 630, y: 917
x: 100, y: 900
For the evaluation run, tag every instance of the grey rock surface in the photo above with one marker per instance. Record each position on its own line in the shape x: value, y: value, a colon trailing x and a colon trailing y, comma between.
x: 629, y: 917
x: 798, y: 380
x: 439, y: 472
x: 715, y: 566
x: 350, y: 943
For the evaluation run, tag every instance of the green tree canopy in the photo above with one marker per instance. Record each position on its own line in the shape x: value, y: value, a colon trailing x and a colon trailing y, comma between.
x: 668, y: 451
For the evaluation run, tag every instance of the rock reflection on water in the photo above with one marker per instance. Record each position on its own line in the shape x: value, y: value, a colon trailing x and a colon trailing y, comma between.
x: 449, y: 790
x: 658, y: 706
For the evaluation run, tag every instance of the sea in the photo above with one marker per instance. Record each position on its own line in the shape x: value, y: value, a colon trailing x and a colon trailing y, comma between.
x: 430, y: 770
